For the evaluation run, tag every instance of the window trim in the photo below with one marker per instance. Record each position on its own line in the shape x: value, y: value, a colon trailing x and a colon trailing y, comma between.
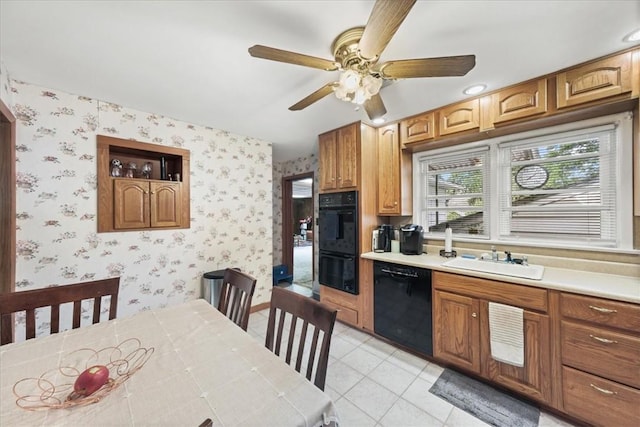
x: 624, y: 197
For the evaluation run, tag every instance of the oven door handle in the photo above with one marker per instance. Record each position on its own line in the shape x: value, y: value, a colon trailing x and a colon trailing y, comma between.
x: 346, y: 257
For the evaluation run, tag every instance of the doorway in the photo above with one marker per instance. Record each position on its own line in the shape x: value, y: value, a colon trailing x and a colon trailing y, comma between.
x: 298, y: 231
x: 8, y: 199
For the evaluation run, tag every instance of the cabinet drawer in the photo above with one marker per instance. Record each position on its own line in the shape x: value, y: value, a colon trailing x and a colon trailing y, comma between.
x: 615, y: 314
x: 345, y: 314
x: 609, y: 354
x: 598, y: 401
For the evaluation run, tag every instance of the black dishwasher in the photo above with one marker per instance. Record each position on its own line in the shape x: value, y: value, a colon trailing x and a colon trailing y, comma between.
x: 402, y: 305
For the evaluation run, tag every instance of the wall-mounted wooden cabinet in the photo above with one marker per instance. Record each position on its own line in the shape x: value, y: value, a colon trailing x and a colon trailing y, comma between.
x: 339, y: 158
x: 459, y: 117
x: 142, y: 200
x: 418, y: 128
x: 394, y: 174
x: 596, y: 80
x: 140, y: 204
x: 520, y: 101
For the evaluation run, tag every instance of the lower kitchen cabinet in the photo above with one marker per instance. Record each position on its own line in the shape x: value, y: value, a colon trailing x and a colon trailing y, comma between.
x: 456, y: 329
x: 346, y: 304
x: 600, y: 356
x: 461, y: 331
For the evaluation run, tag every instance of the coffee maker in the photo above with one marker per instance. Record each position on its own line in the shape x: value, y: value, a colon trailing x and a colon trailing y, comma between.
x: 382, y: 237
x: 411, y: 239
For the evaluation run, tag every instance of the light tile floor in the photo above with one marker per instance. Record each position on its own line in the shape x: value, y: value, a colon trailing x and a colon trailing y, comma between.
x: 374, y: 384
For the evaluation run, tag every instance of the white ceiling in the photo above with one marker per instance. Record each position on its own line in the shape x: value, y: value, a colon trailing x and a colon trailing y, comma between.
x: 188, y: 59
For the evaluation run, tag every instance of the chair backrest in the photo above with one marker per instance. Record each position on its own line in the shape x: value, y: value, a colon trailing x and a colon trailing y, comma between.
x: 29, y: 301
x: 235, y: 296
x: 288, y: 304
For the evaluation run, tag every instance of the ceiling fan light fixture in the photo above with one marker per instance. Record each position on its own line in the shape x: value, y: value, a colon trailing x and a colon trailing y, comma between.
x: 356, y: 87
x: 350, y: 80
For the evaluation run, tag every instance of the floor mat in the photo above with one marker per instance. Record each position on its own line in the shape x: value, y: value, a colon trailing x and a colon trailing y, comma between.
x: 484, y: 402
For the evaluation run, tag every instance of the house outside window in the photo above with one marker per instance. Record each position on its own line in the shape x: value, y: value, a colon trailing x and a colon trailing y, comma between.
x: 563, y: 186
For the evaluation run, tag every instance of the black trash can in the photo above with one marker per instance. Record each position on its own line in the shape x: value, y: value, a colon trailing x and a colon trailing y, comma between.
x: 211, y: 285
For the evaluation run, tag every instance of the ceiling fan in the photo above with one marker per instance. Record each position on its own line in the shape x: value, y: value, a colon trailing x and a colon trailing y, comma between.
x: 356, y: 52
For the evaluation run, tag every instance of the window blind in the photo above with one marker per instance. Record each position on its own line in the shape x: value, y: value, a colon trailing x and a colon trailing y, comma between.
x: 455, y: 188
x: 560, y: 187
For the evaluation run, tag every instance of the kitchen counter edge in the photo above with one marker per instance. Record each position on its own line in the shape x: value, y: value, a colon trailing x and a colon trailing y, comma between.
x: 611, y: 286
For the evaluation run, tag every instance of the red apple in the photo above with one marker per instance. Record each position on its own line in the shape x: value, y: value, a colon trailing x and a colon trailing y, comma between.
x: 91, y: 380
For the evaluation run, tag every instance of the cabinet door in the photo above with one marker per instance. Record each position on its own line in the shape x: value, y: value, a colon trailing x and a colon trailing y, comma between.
x: 327, y: 161
x: 533, y: 379
x: 418, y: 128
x: 165, y: 204
x: 131, y: 204
x: 388, y: 171
x: 460, y: 117
x: 456, y: 330
x: 523, y: 100
x: 597, y: 80
x: 348, y: 157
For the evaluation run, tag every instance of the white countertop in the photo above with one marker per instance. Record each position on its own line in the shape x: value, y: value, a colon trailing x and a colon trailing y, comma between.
x: 616, y: 287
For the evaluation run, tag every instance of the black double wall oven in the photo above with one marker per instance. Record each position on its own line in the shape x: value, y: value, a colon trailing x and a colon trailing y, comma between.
x: 338, y: 241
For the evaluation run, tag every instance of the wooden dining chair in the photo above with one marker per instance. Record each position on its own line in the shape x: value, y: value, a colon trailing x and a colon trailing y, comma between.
x: 235, y: 296
x: 53, y: 297
x: 287, y: 304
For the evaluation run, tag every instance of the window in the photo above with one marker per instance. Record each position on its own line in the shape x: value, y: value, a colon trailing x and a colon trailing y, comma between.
x: 456, y: 192
x: 565, y: 186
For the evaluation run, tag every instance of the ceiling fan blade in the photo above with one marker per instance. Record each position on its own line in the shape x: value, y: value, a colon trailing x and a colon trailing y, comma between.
x: 427, y: 67
x: 315, y: 96
x: 375, y: 107
x: 265, y: 52
x: 385, y: 18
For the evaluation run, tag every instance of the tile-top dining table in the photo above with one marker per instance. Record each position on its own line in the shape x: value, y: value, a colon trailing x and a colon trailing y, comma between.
x: 186, y: 363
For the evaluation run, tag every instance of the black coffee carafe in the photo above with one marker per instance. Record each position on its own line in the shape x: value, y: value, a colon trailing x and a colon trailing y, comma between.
x: 385, y: 236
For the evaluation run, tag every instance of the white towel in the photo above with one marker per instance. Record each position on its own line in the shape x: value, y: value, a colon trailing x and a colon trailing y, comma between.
x: 506, y: 330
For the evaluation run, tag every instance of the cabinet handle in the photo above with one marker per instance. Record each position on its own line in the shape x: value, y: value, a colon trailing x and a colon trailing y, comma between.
x: 603, y: 340
x: 602, y: 390
x: 602, y: 310
x: 474, y: 314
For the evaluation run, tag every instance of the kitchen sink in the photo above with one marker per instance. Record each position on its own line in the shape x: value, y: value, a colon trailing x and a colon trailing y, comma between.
x: 534, y: 272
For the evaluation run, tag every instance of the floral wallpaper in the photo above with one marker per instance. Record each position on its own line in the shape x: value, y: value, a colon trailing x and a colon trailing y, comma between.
x: 57, y: 239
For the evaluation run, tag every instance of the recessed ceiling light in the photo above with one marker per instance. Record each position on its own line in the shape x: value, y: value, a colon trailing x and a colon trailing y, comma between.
x: 379, y: 120
x: 475, y: 89
x: 632, y: 37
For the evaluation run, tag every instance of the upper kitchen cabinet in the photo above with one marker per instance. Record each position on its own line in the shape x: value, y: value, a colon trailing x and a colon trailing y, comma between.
x: 521, y: 101
x: 459, y: 117
x: 394, y: 174
x: 339, y: 158
x: 594, y: 81
x: 142, y: 186
x: 418, y: 128
x: 138, y: 204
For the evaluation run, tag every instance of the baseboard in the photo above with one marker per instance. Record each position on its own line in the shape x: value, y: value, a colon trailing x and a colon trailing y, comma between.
x: 259, y: 307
